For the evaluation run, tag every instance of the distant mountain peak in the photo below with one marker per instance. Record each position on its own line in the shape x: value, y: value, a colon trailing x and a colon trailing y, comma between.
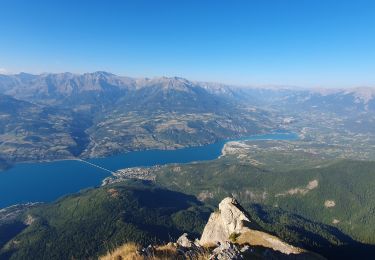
x: 364, y: 94
x: 103, y: 73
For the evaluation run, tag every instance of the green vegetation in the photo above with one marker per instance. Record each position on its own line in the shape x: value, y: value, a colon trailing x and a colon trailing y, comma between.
x: 233, y: 237
x: 320, y: 238
x: 94, y: 221
x: 340, y: 194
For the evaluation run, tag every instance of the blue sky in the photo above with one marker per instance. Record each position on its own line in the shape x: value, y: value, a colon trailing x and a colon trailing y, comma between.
x: 323, y: 43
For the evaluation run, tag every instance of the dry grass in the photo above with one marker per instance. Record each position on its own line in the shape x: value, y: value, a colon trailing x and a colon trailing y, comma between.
x: 124, y: 252
x: 113, y: 193
x: 203, y: 256
x: 209, y: 245
x: 258, y: 238
x: 168, y: 251
x: 129, y: 251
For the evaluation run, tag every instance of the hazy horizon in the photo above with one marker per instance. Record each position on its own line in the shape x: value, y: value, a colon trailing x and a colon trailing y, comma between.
x: 293, y: 43
x: 202, y: 81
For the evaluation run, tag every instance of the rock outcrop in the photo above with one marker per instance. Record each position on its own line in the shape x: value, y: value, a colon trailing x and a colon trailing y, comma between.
x: 227, y: 251
x: 232, y: 223
x: 228, y: 235
x: 230, y: 219
x: 184, y: 241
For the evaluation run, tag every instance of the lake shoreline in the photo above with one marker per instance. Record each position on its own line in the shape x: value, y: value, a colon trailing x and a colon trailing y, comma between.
x: 47, y: 181
x: 9, y: 165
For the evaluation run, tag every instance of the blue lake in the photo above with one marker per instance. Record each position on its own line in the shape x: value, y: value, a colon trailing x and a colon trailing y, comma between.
x: 46, y: 181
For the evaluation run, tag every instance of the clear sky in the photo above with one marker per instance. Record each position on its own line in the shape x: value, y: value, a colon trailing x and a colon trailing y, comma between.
x: 325, y: 43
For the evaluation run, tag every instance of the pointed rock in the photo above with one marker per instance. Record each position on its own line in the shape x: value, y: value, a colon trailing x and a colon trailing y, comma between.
x: 231, y: 222
x: 221, y: 224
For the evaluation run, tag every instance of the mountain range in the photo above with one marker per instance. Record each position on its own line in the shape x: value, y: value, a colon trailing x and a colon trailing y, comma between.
x: 314, y: 192
x: 60, y: 89
x: 59, y: 116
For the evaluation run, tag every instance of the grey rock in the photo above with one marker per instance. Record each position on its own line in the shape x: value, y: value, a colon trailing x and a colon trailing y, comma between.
x: 148, y: 251
x: 184, y: 241
x: 226, y: 251
x: 230, y: 219
x: 245, y: 248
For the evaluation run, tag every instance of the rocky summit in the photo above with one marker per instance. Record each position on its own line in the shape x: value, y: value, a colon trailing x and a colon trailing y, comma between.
x: 230, y: 219
x: 232, y: 223
x: 228, y: 235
